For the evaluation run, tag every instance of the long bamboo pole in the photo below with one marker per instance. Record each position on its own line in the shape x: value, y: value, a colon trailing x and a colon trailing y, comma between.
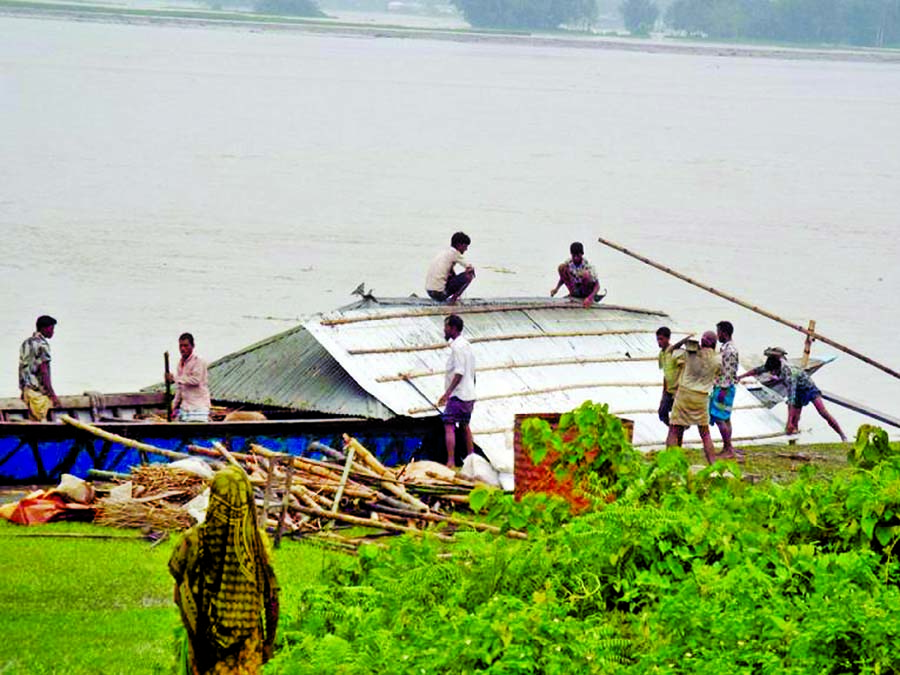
x: 497, y: 338
x: 511, y: 365
x: 121, y: 440
x: 549, y: 390
x: 476, y: 309
x: 168, y: 387
x: 753, y: 308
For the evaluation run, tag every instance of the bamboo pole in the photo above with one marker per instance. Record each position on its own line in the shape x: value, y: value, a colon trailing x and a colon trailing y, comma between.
x: 306, y: 495
x: 496, y: 338
x: 575, y: 361
x: 757, y: 437
x: 121, y: 440
x: 807, y: 344
x: 459, y: 522
x: 754, y: 308
x: 397, y: 489
x: 431, y: 404
x: 367, y: 522
x: 285, y: 501
x: 267, y: 493
x: 446, y: 310
x: 168, y: 386
x: 351, y: 453
x: 227, y: 455
x: 550, y: 390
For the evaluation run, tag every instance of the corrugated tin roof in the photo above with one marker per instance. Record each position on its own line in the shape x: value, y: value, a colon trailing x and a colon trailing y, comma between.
x: 292, y: 370
x: 533, y: 355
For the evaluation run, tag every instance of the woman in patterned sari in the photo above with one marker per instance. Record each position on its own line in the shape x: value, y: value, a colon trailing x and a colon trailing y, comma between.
x: 225, y: 587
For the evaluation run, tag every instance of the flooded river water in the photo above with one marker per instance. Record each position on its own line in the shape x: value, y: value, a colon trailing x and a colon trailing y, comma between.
x: 226, y: 181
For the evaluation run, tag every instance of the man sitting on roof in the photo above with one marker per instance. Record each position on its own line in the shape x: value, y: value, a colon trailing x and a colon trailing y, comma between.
x: 579, y: 277
x: 440, y: 282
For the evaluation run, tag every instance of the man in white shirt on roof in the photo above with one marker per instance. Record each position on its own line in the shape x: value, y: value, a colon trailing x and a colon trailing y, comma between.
x: 459, y: 394
x: 440, y: 281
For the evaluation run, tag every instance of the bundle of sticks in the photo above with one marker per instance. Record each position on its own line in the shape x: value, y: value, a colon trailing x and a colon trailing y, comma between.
x: 352, y: 489
x: 302, y: 497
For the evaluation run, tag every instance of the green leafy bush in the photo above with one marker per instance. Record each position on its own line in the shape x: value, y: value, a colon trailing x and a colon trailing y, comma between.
x: 680, y: 573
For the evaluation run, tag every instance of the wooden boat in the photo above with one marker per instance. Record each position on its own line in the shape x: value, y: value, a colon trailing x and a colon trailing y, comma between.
x: 40, y: 453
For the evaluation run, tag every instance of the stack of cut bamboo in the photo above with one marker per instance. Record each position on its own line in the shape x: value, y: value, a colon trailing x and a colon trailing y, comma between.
x: 300, y: 497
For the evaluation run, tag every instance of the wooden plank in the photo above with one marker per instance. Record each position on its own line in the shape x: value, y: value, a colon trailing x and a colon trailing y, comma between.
x: 117, y: 400
x: 497, y: 338
x: 861, y: 409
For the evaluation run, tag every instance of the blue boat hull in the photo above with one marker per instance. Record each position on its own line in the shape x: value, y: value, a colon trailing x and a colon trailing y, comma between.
x: 41, y: 453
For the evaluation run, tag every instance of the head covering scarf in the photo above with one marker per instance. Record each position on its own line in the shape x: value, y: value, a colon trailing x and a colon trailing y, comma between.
x: 222, y: 571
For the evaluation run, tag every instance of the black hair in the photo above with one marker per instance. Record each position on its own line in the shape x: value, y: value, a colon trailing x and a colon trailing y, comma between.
x: 725, y: 327
x: 459, y: 238
x: 576, y: 248
x: 455, y: 321
x: 43, y: 321
x: 188, y: 337
x: 773, y: 364
x: 664, y: 331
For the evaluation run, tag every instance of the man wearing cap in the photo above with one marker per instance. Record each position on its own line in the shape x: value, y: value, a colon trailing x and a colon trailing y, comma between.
x: 578, y: 276
x: 34, y: 370
x: 801, y: 390
x: 701, y: 366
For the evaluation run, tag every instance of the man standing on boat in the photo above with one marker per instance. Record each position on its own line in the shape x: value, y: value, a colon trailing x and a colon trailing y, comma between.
x: 440, y: 281
x: 34, y: 370
x: 722, y: 398
x: 578, y: 276
x: 192, y: 401
x: 459, y: 393
x: 701, y: 366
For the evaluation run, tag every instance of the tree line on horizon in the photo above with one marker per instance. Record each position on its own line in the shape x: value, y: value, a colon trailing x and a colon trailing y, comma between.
x: 872, y: 23
x: 864, y: 23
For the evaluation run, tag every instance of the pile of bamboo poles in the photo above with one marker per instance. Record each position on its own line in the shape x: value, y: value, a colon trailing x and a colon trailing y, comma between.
x: 307, y: 497
x: 304, y: 497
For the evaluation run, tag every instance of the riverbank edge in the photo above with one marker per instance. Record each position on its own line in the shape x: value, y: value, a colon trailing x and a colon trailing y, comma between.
x: 211, y: 19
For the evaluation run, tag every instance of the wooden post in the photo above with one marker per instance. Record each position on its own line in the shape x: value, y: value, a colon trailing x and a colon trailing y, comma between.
x: 285, y: 501
x: 340, y: 491
x: 807, y: 346
x: 264, y: 516
x: 168, y: 387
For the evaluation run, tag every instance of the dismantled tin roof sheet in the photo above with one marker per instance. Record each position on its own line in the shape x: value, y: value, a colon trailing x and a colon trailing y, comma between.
x: 532, y: 354
x: 292, y: 370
